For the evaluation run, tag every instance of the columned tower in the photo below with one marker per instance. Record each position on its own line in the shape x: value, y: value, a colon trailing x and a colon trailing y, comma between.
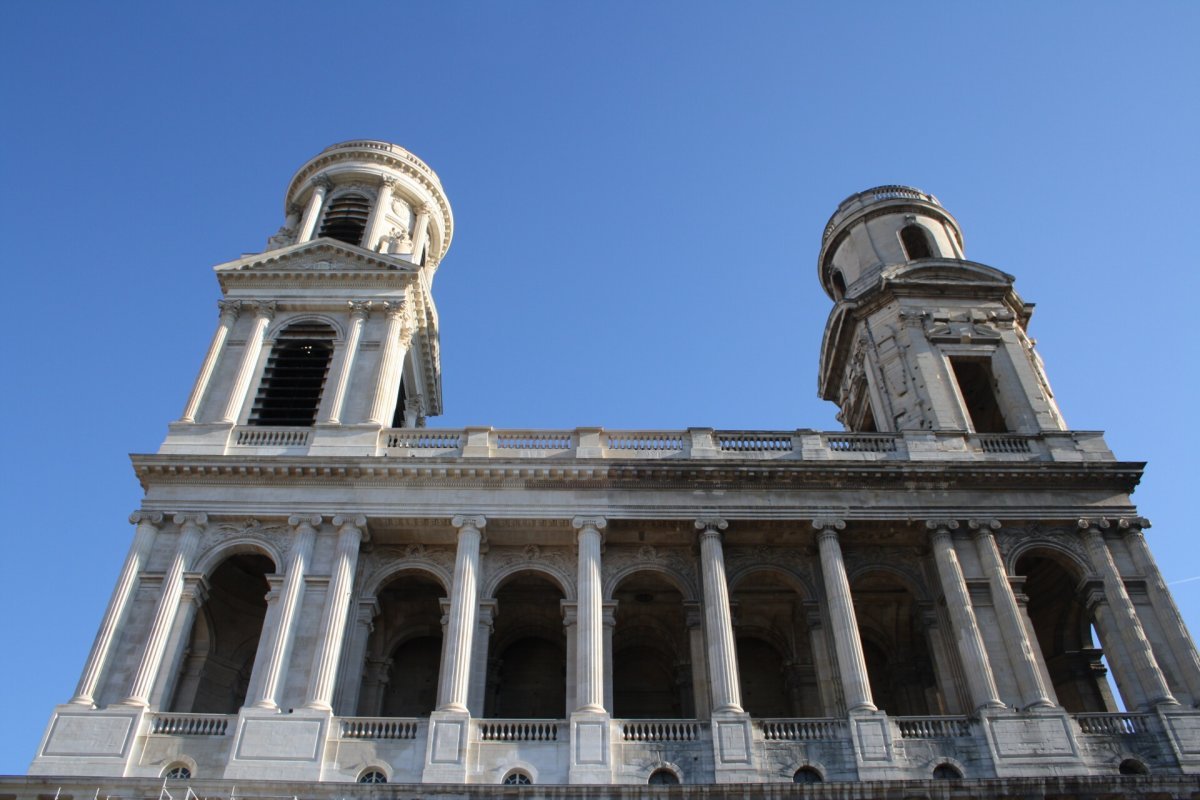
x: 921, y: 338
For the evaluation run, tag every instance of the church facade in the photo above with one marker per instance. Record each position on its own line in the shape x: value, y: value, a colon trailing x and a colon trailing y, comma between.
x: 324, y: 589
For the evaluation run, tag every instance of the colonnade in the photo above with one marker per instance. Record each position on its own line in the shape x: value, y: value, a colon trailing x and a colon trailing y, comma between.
x: 182, y: 592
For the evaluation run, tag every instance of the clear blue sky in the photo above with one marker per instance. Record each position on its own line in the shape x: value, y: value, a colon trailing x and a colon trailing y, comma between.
x: 639, y: 192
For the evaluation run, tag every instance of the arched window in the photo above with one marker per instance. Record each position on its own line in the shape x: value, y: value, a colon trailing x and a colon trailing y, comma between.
x: 807, y: 775
x: 294, y: 378
x: 346, y: 218
x: 663, y: 777
x: 517, y: 778
x: 1131, y: 766
x: 946, y: 772
x: 916, y: 242
x: 372, y: 776
x: 179, y: 772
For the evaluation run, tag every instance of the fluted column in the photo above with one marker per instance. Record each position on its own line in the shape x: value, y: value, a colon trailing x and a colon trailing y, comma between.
x: 1129, y: 627
x: 454, y: 682
x: 1179, y: 640
x: 323, y: 674
x: 479, y: 657
x: 191, y: 526
x: 143, y: 540
x: 264, y: 312
x: 1030, y: 684
x: 321, y: 185
x: 400, y: 328
x: 589, y: 653
x: 229, y: 314
x: 856, y: 687
x: 718, y: 624
x: 980, y: 681
x: 420, y: 231
x: 359, y: 311
x: 379, y: 213
x: 354, y: 659
x: 289, y: 600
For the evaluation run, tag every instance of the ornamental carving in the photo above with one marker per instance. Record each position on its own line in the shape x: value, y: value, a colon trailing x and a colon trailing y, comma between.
x: 740, y: 560
x: 621, y: 561
x: 502, y: 561
x: 963, y: 332
x: 382, y: 562
x: 277, y: 536
x: 1012, y: 540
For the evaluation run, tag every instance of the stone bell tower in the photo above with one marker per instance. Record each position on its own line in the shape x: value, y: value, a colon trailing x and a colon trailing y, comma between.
x: 921, y: 338
x: 330, y: 334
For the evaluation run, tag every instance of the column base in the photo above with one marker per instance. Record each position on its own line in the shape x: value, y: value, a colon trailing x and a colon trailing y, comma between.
x: 88, y: 741
x: 591, y: 748
x: 268, y: 745
x: 446, y: 750
x: 733, y: 752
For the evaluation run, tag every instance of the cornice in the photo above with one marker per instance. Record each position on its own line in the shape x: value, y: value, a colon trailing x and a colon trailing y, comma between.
x: 284, y: 259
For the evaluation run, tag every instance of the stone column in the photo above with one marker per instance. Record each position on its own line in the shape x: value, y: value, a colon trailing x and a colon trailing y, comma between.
x: 718, y: 624
x: 229, y: 314
x: 610, y: 622
x: 693, y: 618
x: 400, y: 329
x: 856, y: 687
x: 570, y: 620
x: 359, y: 311
x: 479, y: 659
x: 355, y: 656
x: 308, y: 225
x: 379, y: 213
x: 193, y: 595
x: 191, y: 527
x: 454, y: 682
x: 333, y: 622
x: 980, y: 681
x: 589, y: 654
x: 264, y: 312
x: 1030, y: 684
x: 280, y: 638
x: 1154, y: 685
x: 1175, y: 632
x: 143, y: 540
x: 420, y: 231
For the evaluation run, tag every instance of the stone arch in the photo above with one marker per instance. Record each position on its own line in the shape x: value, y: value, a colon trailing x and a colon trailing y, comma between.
x: 915, y: 586
x: 215, y: 555
x: 1069, y: 559
x: 798, y: 582
x: 394, y: 569
x: 652, y: 671
x: 675, y: 577
x: 664, y: 766
x: 527, y: 649
x: 558, y: 576
x: 282, y: 323
x: 789, y: 773
x: 402, y: 657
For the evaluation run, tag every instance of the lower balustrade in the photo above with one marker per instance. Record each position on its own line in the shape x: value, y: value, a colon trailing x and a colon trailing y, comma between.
x: 802, y: 730
x: 662, y: 730
x: 518, y: 730
x: 933, y: 727
x: 380, y: 727
x: 1116, y: 724
x: 190, y: 724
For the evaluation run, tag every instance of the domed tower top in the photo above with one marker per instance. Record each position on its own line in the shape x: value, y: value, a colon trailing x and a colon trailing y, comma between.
x: 882, y: 226
x: 370, y: 194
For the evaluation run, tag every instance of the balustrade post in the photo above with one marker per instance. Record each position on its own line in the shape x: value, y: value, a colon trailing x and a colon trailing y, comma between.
x: 230, y: 309
x: 980, y: 681
x: 191, y: 527
x: 1128, y: 626
x: 351, y: 531
x: 280, y: 637
x: 264, y: 312
x: 308, y: 225
x: 359, y: 311
x: 856, y: 687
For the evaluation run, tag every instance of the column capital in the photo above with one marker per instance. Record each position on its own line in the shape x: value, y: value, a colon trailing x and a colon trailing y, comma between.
x: 304, y: 521
x: 389, y: 181
x: 154, y: 518
x: 1097, y: 524
x: 594, y: 523
x: 359, y: 309
x: 394, y: 308
x: 294, y: 209
x: 941, y: 527
x: 711, y: 526
x: 828, y: 526
x: 345, y: 523
x: 321, y: 181
x: 982, y: 526
x: 191, y: 520
x: 229, y: 309
x: 1132, y: 524
x: 476, y: 522
x: 195, y: 588
x: 425, y: 208
x: 264, y: 309
x: 569, y: 611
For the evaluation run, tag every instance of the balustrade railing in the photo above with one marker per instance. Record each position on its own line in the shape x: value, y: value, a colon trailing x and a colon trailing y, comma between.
x: 860, y: 442
x: 379, y: 728
x: 190, y: 724
x: 747, y: 442
x: 661, y: 730
x: 420, y: 439
x: 802, y: 730
x: 933, y: 727
x: 272, y: 437
x: 1003, y: 443
x: 644, y: 441
x: 518, y: 730
x: 534, y: 440
x: 1118, y: 724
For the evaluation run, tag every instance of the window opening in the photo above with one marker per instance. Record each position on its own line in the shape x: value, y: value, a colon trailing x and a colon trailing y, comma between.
x: 290, y: 391
x: 1131, y: 766
x: 181, y: 773
x: 978, y: 389
x: 807, y: 775
x: 916, y: 242
x: 663, y: 777
x: 946, y: 772
x: 517, y: 779
x: 373, y: 776
x: 401, y: 402
x: 346, y: 218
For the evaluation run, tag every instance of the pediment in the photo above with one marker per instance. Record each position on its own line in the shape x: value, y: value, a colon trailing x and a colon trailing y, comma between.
x: 946, y: 271
x: 318, y: 255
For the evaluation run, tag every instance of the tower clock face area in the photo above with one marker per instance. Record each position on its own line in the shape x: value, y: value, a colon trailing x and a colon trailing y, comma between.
x: 325, y: 587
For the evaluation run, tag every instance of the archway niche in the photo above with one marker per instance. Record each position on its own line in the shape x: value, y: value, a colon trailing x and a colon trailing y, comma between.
x: 1064, y: 630
x: 404, y: 653
x: 774, y: 647
x: 895, y: 639
x: 215, y: 674
x: 651, y: 650
x: 527, y: 664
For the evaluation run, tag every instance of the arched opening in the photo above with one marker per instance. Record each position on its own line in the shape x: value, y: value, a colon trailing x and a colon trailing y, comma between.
x: 1063, y: 627
x: 294, y: 378
x: 215, y: 674
x: 517, y: 778
x: 651, y: 658
x: 346, y: 218
x: 663, y: 777
x: 527, y: 678
x: 404, y: 653
x: 774, y: 648
x: 807, y: 775
x: 947, y: 772
x: 1131, y: 766
x: 916, y: 242
x: 181, y: 772
x: 900, y: 667
x: 373, y: 776
x: 839, y: 285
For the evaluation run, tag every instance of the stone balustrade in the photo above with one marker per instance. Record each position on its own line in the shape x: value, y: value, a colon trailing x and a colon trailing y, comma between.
x: 380, y: 727
x: 1119, y: 724
x: 190, y: 724
x: 933, y: 727
x: 802, y: 730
